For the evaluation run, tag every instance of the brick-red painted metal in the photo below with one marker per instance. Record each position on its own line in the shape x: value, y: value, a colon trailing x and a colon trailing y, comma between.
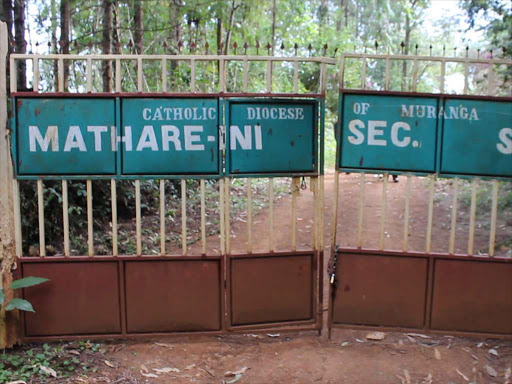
x: 474, y: 296
x: 173, y: 296
x: 80, y: 298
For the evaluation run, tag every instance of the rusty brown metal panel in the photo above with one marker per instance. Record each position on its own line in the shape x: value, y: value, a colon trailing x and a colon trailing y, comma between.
x: 80, y: 298
x: 384, y: 290
x: 474, y: 296
x: 271, y: 289
x: 173, y: 295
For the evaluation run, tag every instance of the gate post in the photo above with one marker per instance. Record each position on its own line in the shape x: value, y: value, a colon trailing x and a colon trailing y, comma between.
x: 8, y: 320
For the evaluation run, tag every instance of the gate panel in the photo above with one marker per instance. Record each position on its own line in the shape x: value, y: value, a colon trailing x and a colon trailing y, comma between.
x: 81, y: 298
x: 272, y: 289
x: 473, y: 296
x: 375, y: 289
x: 173, y: 295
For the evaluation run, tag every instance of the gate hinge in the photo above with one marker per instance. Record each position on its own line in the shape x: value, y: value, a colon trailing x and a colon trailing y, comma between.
x: 222, y: 137
x: 332, y: 278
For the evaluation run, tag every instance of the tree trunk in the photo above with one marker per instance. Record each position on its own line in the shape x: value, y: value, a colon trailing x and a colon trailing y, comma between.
x: 65, y: 20
x: 137, y: 20
x: 274, y: 11
x: 106, y: 45
x: 219, y: 35
x: 116, y: 33
x: 406, y: 51
x: 19, y: 39
x: 6, y: 17
x: 340, y: 16
x: 54, y: 48
x: 230, y: 26
x: 175, y: 31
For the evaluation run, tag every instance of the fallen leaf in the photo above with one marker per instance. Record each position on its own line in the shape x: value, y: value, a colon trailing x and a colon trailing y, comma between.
x: 235, y: 379
x: 17, y: 382
x: 345, y: 344
x: 108, y: 363
x: 74, y: 352
x: 407, y: 376
x: 491, y: 371
x: 241, y: 371
x: 189, y: 367
x: 462, y: 375
x: 148, y: 374
x: 437, y: 354
x: 273, y: 334
x: 166, y: 370
x: 418, y: 335
x: 479, y: 345
x: 164, y: 345
x: 428, y: 379
x: 508, y: 373
x: 255, y: 336
x: 494, y: 352
x: 143, y: 368
x: 376, y: 336
x: 48, y: 371
x: 360, y: 341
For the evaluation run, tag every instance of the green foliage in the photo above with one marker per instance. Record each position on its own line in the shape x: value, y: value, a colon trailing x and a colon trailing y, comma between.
x: 17, y: 303
x: 48, y: 363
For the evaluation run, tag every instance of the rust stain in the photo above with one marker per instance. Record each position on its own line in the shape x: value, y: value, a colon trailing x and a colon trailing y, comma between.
x: 19, y: 103
x: 36, y: 112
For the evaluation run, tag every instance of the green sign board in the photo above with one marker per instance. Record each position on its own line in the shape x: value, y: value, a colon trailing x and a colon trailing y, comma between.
x: 170, y: 136
x: 275, y: 136
x: 124, y: 137
x: 393, y: 133
x: 65, y: 136
x: 477, y: 138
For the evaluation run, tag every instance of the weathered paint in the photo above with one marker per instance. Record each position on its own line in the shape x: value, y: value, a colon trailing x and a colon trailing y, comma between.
x: 170, y: 136
x: 477, y: 138
x: 271, y: 136
x: 379, y: 133
x: 65, y: 136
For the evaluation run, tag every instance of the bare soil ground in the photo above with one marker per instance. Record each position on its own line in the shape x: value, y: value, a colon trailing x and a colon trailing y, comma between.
x: 348, y: 357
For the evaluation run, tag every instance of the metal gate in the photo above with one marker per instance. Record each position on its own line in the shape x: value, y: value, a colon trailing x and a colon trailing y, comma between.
x: 207, y: 286
x: 390, y: 126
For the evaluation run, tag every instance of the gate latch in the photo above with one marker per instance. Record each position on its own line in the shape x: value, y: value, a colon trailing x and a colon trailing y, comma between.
x: 334, y: 265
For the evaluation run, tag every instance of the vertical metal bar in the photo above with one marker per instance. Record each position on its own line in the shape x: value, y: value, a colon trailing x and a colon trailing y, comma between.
x: 296, y: 77
x: 40, y: 206
x: 342, y: 71
x: 222, y: 217
x: 35, y: 84
x: 490, y: 79
x: 13, y: 77
x: 363, y: 74
x: 140, y: 81
x: 184, y: 217
x: 414, y: 75
x: 314, y: 189
x: 442, y: 76
x: 321, y: 213
x: 295, y: 190
x: 222, y: 76
x: 472, y: 215
x: 162, y: 217
x: 453, y: 226
x: 361, y: 211
x: 138, y: 218
x: 387, y: 78
x: 227, y: 185
x: 17, y: 218
x: 164, y: 75
x: 245, y: 85
x: 428, y: 243
x: 249, y: 215
x: 113, y: 198
x: 60, y: 70
x: 271, y: 214
x: 269, y: 75
x: 323, y: 83
x: 334, y: 224
x: 90, y: 234
x: 65, y: 217
x: 203, y: 218
x: 89, y: 75
x: 119, y: 76
x: 494, y: 215
x: 384, y: 213
x: 192, y: 75
x: 466, y: 77
x: 406, y: 214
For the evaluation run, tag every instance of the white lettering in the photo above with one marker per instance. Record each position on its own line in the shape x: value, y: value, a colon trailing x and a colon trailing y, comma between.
x: 190, y: 138
x: 394, y: 134
x: 52, y: 135
x: 97, y: 130
x: 147, y: 139
x: 505, y: 146
x: 245, y: 140
x: 373, y: 132
x: 75, y: 140
x: 359, y: 136
x: 166, y: 138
